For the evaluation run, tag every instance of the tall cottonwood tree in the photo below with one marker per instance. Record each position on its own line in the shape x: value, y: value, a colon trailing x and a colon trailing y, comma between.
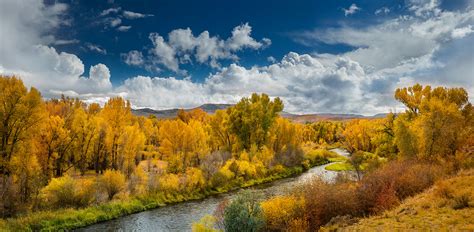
x: 251, y: 119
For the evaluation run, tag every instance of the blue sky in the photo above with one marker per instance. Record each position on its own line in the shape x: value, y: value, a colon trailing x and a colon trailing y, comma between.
x: 318, y: 56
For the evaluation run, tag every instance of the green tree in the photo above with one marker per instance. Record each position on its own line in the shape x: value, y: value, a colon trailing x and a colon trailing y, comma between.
x: 251, y: 119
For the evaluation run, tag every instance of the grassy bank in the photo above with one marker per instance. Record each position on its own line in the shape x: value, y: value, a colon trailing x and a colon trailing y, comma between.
x: 65, y: 219
x: 447, y: 206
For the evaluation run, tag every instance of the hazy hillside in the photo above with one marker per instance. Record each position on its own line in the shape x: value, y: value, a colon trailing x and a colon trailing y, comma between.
x: 211, y: 108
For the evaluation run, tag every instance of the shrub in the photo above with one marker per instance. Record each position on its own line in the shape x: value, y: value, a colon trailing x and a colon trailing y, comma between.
x: 283, y: 212
x: 67, y: 192
x: 112, y: 182
x: 244, y: 214
x: 206, y: 224
x: 324, y: 201
x: 194, y: 180
x: 398, y: 179
x: 222, y: 177
x: 169, y: 183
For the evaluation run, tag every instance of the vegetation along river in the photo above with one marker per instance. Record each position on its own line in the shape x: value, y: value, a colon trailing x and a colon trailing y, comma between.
x: 180, y: 217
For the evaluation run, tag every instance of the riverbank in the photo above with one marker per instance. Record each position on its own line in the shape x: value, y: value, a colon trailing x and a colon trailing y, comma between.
x: 65, y: 219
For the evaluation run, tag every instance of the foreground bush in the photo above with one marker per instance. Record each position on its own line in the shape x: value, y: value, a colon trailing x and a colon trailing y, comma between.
x: 112, y: 182
x: 377, y: 191
x: 68, y: 192
x: 244, y: 214
x: 283, y: 213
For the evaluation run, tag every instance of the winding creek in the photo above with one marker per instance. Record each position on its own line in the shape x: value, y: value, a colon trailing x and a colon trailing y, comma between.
x: 180, y: 217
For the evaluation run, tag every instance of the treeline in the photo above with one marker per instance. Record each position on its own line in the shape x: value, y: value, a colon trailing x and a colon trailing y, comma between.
x: 65, y: 153
x: 400, y: 156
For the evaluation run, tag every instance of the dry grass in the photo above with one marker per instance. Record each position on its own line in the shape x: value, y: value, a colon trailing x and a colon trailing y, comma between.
x: 447, y: 206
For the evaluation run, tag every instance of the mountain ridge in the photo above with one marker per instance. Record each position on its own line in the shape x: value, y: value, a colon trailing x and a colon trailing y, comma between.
x: 211, y: 108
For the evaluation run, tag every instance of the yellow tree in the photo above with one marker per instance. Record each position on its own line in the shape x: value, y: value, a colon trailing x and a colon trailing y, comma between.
x: 438, y: 119
x: 183, y: 145
x: 20, y: 111
x: 54, y: 142
x: 132, y: 143
x: 85, y: 129
x: 117, y: 114
x: 222, y: 137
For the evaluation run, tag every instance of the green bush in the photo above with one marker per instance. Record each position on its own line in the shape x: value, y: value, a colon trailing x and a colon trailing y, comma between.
x: 244, y: 214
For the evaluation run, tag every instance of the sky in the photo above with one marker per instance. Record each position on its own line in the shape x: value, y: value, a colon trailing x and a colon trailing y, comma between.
x: 317, y: 56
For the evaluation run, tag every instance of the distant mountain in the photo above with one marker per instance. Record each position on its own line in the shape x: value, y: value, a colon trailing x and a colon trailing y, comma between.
x: 171, y: 113
x: 211, y: 108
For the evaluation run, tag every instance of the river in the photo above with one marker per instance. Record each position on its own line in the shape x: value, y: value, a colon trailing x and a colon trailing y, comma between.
x: 180, y: 217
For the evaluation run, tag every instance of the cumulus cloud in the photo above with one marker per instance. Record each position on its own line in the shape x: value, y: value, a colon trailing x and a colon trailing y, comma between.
x: 405, y: 50
x: 351, y: 10
x: 182, y: 46
x: 271, y: 59
x: 26, y: 52
x: 431, y: 46
x: 133, y: 58
x: 303, y: 82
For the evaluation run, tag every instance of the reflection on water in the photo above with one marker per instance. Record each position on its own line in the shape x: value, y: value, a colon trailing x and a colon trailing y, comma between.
x: 180, y: 217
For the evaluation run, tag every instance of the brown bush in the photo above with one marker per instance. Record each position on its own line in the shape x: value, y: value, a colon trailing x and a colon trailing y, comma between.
x: 325, y: 201
x: 378, y: 191
x: 397, y: 180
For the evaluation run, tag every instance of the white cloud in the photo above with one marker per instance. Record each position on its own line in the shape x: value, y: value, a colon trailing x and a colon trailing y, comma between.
x: 426, y: 8
x: 383, y: 10
x: 124, y: 28
x: 351, y: 10
x: 96, y: 48
x: 110, y: 11
x: 24, y: 50
x: 134, y: 58
x: 459, y: 33
x: 99, y: 76
x: 407, y: 49
x: 271, y: 59
x: 303, y: 82
x: 430, y: 46
x: 66, y: 42
x: 182, y: 46
x: 134, y: 15
x: 115, y: 22
x: 163, y: 53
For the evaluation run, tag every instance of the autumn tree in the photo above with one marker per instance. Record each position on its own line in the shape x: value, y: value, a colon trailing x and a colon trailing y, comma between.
x: 20, y: 113
x: 117, y: 114
x: 222, y: 136
x: 183, y: 145
x: 251, y: 119
x: 437, y: 119
x: 20, y: 110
